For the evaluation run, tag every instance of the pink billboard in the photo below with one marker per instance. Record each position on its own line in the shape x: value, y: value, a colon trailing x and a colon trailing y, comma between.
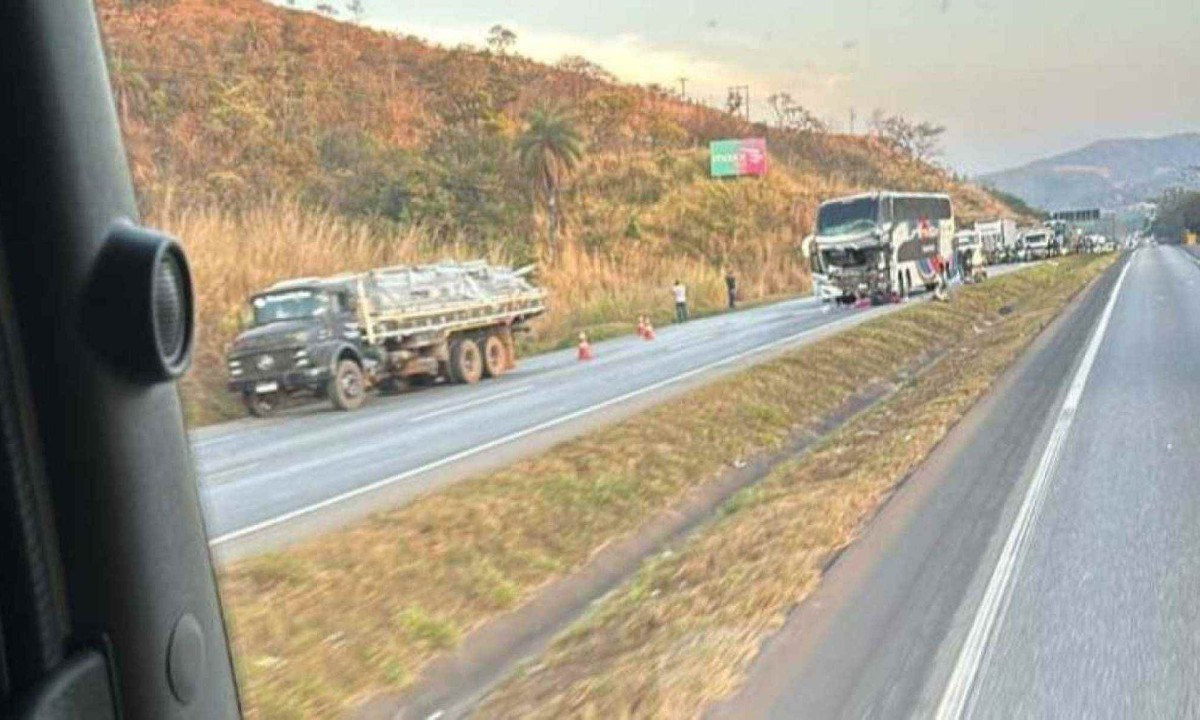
x: 735, y: 158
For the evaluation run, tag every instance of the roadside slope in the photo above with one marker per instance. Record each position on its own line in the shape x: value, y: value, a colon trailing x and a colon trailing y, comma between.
x: 683, y: 631
x: 331, y: 622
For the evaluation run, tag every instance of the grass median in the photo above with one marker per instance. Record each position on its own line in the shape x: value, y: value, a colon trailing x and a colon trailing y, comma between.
x: 682, y: 632
x: 325, y: 624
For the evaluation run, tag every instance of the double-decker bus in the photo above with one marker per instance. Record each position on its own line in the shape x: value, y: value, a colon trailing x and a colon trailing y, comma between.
x: 880, y: 243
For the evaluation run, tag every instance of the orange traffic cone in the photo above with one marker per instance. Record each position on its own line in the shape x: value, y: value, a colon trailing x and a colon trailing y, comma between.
x: 585, y: 349
x: 649, y: 332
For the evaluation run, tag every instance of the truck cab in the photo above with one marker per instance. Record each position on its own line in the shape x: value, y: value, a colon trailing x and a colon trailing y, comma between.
x: 1038, y: 243
x: 300, y: 337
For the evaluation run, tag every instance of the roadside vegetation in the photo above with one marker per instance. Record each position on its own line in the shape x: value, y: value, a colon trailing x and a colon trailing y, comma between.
x: 682, y: 632
x: 278, y: 143
x: 326, y: 624
x: 1178, y: 215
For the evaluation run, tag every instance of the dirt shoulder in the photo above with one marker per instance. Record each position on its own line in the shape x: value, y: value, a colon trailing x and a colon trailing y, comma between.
x: 357, y: 613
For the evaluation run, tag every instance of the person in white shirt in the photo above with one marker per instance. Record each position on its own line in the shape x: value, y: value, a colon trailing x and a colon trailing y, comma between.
x: 681, y: 309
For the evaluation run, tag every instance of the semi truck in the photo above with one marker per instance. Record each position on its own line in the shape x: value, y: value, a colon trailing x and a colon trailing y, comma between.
x: 342, y: 337
x: 969, y: 256
x: 880, y: 244
x: 999, y: 239
x: 1038, y: 243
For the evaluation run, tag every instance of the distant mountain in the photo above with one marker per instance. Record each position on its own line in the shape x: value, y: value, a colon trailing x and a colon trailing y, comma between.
x: 1106, y: 174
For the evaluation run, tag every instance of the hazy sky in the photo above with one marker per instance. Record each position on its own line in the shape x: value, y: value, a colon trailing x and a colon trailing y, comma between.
x: 1012, y: 80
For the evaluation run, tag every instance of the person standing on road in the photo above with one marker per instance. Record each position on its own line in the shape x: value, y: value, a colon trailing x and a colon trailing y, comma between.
x: 939, y: 270
x: 681, y: 309
x: 731, y: 287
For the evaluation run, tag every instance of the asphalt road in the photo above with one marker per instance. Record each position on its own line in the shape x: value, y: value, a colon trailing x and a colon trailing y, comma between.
x: 266, y: 482
x: 1045, y: 561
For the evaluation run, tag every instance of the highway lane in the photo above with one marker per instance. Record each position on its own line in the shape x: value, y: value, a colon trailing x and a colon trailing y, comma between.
x: 265, y: 482
x: 1103, y: 618
x: 259, y: 475
x: 1045, y: 561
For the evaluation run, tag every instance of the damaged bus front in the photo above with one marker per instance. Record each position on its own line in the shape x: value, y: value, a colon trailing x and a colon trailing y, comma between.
x: 880, y: 245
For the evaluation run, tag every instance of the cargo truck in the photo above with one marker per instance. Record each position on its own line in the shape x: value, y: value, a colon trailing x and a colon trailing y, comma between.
x: 999, y: 240
x: 969, y: 256
x: 385, y: 329
x: 1038, y: 243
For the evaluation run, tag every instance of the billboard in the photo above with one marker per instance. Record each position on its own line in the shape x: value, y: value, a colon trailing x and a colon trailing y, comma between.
x: 735, y: 158
x: 1076, y: 215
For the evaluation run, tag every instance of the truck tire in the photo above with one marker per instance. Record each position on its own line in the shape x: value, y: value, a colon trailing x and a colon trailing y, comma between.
x: 466, y: 361
x: 261, y: 406
x: 347, y: 389
x: 495, y: 356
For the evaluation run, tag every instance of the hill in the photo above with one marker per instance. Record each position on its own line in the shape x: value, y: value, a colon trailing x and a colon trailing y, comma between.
x: 279, y: 143
x: 1106, y: 174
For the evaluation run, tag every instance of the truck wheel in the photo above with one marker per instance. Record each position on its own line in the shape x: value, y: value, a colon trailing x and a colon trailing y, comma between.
x: 261, y: 406
x: 347, y: 390
x: 466, y: 362
x: 495, y: 356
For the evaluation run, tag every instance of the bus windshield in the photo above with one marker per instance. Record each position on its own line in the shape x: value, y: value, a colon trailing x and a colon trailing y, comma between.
x: 841, y: 217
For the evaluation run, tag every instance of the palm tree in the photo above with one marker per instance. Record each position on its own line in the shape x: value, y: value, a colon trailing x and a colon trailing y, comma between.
x: 549, y: 150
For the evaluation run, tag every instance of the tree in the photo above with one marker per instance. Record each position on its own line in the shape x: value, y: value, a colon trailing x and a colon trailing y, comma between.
x: 327, y: 9
x: 802, y: 119
x: 580, y: 74
x: 780, y: 103
x: 580, y: 65
x: 733, y: 102
x: 1178, y: 212
x: 356, y: 9
x: 789, y: 114
x: 920, y: 140
x: 549, y: 149
x: 500, y: 39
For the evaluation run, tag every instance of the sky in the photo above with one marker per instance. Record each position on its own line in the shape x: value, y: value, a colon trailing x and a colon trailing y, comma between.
x: 1011, y: 81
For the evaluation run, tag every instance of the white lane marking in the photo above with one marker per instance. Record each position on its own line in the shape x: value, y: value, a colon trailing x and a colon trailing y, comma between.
x: 211, y: 477
x: 989, y: 616
x: 469, y: 404
x: 449, y: 459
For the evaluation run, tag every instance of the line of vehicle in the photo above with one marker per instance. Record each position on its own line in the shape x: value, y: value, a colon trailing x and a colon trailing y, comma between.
x: 989, y: 616
x: 540, y: 427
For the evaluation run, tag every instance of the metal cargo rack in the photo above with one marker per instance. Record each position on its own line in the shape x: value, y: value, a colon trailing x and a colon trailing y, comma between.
x: 400, y: 302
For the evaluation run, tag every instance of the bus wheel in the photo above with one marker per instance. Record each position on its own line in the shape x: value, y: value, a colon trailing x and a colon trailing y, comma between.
x: 347, y: 390
x: 466, y: 362
x: 495, y: 356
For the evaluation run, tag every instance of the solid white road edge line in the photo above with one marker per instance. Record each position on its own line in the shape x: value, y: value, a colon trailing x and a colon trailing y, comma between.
x: 449, y: 459
x: 989, y: 616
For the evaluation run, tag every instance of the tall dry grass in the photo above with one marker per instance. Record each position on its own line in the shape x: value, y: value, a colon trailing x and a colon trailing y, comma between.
x: 236, y: 253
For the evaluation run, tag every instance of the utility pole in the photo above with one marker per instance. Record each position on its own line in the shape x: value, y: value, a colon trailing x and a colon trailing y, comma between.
x: 683, y: 88
x: 852, y: 116
x: 739, y: 100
